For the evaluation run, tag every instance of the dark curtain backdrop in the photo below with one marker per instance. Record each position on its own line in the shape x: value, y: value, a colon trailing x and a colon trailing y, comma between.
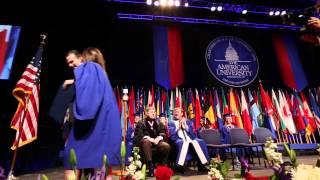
x: 128, y: 50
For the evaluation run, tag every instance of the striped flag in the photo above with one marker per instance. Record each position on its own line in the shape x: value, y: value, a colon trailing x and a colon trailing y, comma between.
x: 168, y: 60
x: 225, y: 106
x: 198, y: 110
x: 310, y: 125
x: 292, y: 71
x: 268, y: 109
x: 217, y: 109
x: 27, y: 90
x: 254, y: 111
x: 234, y: 109
x: 131, y: 110
x: 288, y: 118
x: 209, y: 110
x: 315, y: 108
x: 278, y: 111
x: 247, y: 125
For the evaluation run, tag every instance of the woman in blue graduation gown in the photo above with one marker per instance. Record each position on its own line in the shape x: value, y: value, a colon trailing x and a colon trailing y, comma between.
x: 96, y: 129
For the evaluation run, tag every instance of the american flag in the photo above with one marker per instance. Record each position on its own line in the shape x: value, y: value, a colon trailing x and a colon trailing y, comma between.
x: 27, y: 90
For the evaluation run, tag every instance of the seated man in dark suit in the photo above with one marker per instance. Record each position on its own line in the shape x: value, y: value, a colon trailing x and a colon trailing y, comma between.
x: 149, y: 133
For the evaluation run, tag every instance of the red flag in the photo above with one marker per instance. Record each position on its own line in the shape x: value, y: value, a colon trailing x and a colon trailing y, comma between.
x: 225, y: 106
x: 117, y: 93
x: 297, y: 114
x: 215, y: 123
x: 27, y: 90
x: 3, y: 48
x: 198, y: 110
x: 163, y: 101
x: 311, y: 126
x: 131, y: 106
x: 247, y: 125
x: 151, y: 98
x: 235, y: 110
x: 268, y: 106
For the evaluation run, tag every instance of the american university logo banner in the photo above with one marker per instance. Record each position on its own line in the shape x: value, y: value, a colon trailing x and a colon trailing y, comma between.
x: 232, y: 61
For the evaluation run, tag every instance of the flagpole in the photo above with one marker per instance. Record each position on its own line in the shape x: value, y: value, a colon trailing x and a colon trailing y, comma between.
x: 314, y: 138
x: 288, y: 139
x: 307, y: 139
x: 297, y: 137
x: 124, y: 105
x: 293, y: 138
x: 300, y: 138
x: 16, y: 145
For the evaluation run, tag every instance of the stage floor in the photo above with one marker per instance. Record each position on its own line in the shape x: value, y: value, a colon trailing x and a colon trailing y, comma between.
x: 191, y: 174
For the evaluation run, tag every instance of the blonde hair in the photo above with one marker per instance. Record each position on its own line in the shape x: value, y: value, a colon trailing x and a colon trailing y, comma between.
x: 95, y: 55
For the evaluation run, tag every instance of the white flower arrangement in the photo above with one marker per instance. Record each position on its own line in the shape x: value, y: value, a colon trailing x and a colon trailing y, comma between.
x: 290, y: 170
x: 214, y: 174
x: 218, y: 170
x: 270, y: 149
x: 134, y: 168
x: 307, y: 171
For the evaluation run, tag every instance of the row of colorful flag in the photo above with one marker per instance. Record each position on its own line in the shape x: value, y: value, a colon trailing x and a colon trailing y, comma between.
x: 280, y: 111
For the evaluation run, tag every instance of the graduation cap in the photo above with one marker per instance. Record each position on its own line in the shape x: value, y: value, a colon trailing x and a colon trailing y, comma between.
x: 61, y: 102
x: 162, y: 115
x: 227, y: 115
x: 137, y: 114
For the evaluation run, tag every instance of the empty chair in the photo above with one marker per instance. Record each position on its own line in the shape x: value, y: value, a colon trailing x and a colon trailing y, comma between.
x: 213, y: 140
x: 261, y: 135
x: 240, y: 139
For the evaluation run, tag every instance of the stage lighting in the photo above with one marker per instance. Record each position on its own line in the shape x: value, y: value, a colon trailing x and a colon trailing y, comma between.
x: 186, y: 4
x: 271, y: 13
x: 156, y: 3
x: 244, y: 11
x: 219, y: 8
x: 300, y: 16
x: 213, y: 8
x: 277, y: 13
x: 149, y: 2
x: 283, y: 13
x: 177, y: 3
x: 170, y: 3
x: 163, y: 2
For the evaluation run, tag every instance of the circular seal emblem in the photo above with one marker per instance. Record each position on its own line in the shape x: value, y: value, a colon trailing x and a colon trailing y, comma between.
x: 232, y: 61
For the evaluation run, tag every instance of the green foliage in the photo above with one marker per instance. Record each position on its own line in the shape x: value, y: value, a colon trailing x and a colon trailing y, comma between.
x: 293, y: 157
x: 264, y: 155
x: 291, y: 153
x: 105, y: 160
x: 176, y: 177
x: 85, y: 177
x: 106, y: 164
x: 237, y: 176
x: 73, y: 158
x: 273, y: 177
x: 44, y: 177
x: 224, y: 168
x: 286, y: 147
x: 143, y: 170
x: 123, y: 150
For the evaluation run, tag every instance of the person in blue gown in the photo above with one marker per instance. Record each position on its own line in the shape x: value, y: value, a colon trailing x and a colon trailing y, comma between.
x: 96, y: 130
x: 182, y: 134
x: 130, y: 136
